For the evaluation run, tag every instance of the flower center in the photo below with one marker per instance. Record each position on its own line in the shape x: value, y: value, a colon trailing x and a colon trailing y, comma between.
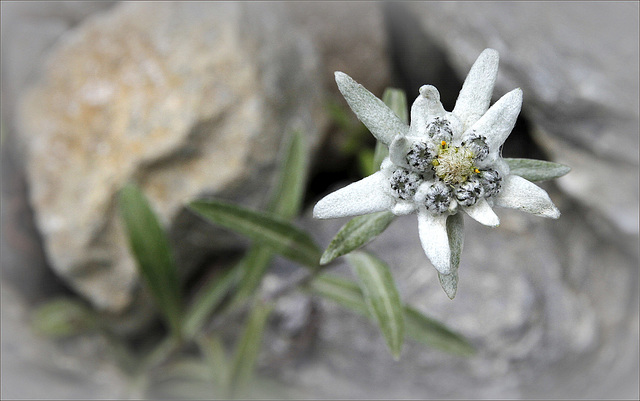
x: 454, y: 165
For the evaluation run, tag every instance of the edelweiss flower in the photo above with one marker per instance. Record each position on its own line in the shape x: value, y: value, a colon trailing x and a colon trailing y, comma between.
x: 443, y: 163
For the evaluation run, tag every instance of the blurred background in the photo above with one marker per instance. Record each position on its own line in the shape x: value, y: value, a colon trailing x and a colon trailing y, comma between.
x: 192, y: 99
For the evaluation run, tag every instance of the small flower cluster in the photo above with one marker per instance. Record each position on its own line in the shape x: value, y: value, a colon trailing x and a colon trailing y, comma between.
x: 443, y: 176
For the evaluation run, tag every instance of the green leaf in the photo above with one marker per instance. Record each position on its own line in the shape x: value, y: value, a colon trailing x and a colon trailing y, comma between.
x: 418, y: 326
x: 216, y: 359
x: 381, y: 297
x: 289, y: 194
x: 536, y: 170
x: 339, y: 115
x: 284, y: 238
x: 355, y: 132
x: 209, y: 297
x: 255, y: 266
x: 151, y: 249
x: 247, y: 349
x: 185, y: 368
x: 344, y: 292
x: 63, y: 317
x: 357, y: 232
x: 435, y: 334
x: 380, y: 153
x: 365, y: 161
x: 455, y: 232
x: 286, y: 203
x: 396, y: 99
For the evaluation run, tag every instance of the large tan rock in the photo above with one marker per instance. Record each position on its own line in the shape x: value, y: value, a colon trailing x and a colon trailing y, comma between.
x: 185, y: 99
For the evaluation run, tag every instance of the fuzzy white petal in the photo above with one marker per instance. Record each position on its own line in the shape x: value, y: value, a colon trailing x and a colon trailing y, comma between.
x: 402, y: 208
x: 426, y: 107
x: 398, y: 151
x: 383, y: 123
x: 449, y: 283
x: 496, y: 124
x: 434, y: 239
x: 368, y: 195
x: 477, y: 89
x: 518, y: 193
x: 482, y: 213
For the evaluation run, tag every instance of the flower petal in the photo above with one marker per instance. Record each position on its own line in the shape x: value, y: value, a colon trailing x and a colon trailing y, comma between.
x: 496, y: 124
x: 424, y: 108
x: 402, y: 208
x: 455, y: 232
x: 475, y: 96
x: 449, y: 283
x: 383, y: 123
x: 368, y: 195
x: 518, y: 193
x: 398, y: 151
x: 482, y: 213
x: 432, y: 230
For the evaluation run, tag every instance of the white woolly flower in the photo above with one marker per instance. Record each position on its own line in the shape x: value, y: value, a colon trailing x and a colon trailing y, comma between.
x: 443, y: 163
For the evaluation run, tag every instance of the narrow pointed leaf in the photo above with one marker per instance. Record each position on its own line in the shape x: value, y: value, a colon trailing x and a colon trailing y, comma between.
x: 455, y: 232
x: 256, y: 263
x: 449, y: 283
x: 283, y: 237
x: 185, y: 368
x: 209, y: 297
x: 418, y: 326
x: 357, y: 232
x: 365, y: 162
x: 63, y: 317
x: 381, y: 297
x: 150, y: 246
x: 216, y: 358
x: 289, y: 193
x: 536, y: 170
x: 247, y: 349
x: 435, y: 334
x: 342, y: 291
x: 396, y: 99
x: 285, y: 203
x: 379, y: 154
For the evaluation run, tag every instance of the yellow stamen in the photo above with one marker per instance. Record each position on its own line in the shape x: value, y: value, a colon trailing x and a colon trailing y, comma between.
x: 476, y: 171
x: 443, y: 143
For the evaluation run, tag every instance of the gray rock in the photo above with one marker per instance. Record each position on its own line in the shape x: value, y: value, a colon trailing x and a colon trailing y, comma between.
x: 40, y: 368
x: 578, y: 67
x: 351, y: 37
x: 550, y: 306
x: 185, y: 99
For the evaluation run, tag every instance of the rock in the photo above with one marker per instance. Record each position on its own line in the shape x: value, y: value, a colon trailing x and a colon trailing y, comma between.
x: 547, y: 318
x: 29, y: 30
x: 186, y: 99
x: 578, y: 67
x: 351, y: 37
x: 550, y: 305
x: 40, y: 368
